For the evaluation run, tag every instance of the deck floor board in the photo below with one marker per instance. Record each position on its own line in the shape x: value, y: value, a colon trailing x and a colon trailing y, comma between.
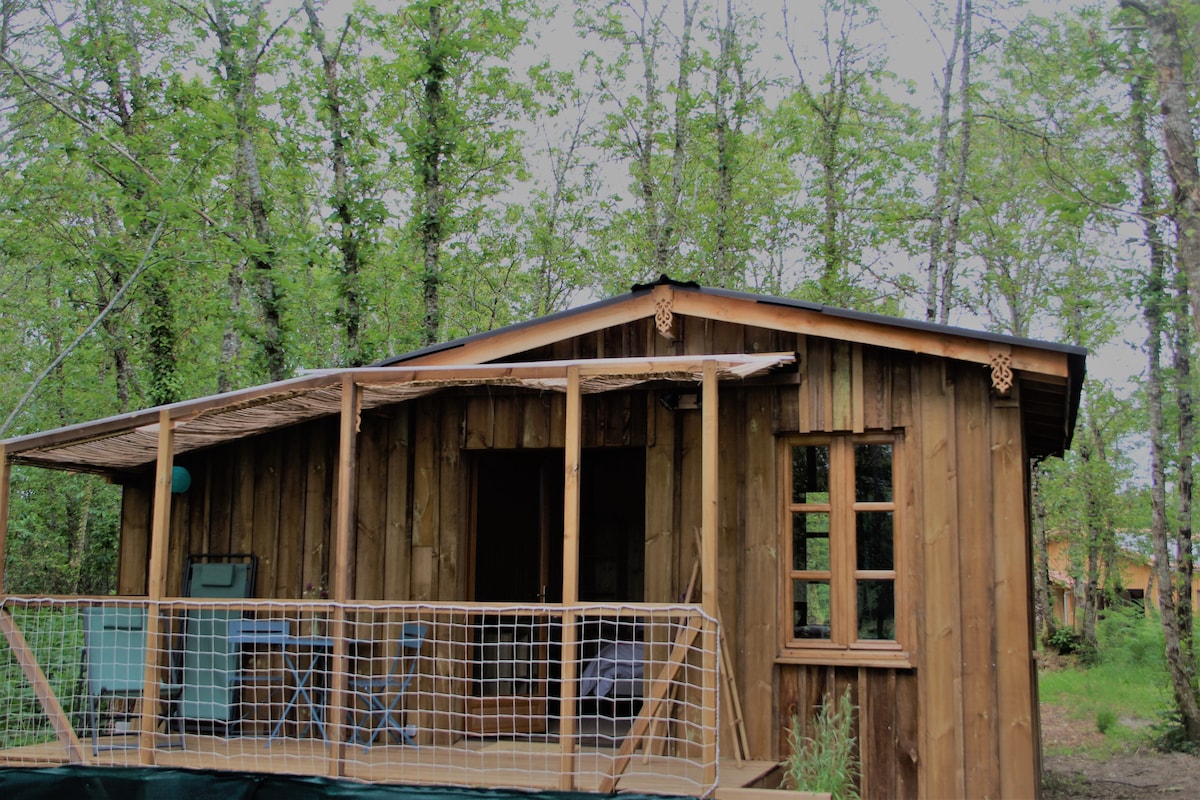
x: 489, y: 764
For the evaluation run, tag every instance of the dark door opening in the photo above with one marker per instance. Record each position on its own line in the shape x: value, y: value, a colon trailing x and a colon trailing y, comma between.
x: 518, y: 526
x: 517, y: 546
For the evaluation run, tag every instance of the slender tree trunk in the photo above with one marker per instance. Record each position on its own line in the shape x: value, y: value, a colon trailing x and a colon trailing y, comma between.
x: 1178, y: 127
x: 941, y: 180
x: 950, y: 257
x: 240, y: 66
x: 1091, y: 456
x: 665, y: 249
x: 1180, y: 662
x: 1182, y: 574
x: 350, y: 301
x: 429, y: 165
x: 1044, y: 597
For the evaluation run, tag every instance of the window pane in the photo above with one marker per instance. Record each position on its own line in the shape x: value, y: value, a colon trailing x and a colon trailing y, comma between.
x: 876, y: 610
x: 810, y: 540
x: 874, y: 540
x: 810, y: 473
x: 810, y: 609
x: 873, y: 473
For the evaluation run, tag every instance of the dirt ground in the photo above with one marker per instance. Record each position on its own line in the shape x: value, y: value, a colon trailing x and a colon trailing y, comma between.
x: 1127, y: 775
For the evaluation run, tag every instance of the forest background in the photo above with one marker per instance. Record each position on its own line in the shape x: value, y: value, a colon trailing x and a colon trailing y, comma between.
x: 202, y: 195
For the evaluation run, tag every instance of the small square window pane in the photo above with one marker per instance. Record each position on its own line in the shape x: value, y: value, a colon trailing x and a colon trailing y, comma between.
x: 810, y: 609
x: 810, y: 541
x: 810, y: 473
x: 877, y: 609
x: 875, y: 541
x: 873, y: 473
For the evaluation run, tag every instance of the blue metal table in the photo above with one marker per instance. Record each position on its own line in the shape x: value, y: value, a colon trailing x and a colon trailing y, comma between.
x: 303, y: 659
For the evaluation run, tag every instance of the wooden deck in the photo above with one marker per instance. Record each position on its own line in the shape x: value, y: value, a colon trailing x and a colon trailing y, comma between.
x: 517, y: 764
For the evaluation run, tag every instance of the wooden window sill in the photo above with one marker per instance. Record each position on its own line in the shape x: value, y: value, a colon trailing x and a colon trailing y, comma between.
x: 884, y: 659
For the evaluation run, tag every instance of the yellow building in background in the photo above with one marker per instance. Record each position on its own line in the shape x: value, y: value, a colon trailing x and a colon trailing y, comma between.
x: 1137, y: 578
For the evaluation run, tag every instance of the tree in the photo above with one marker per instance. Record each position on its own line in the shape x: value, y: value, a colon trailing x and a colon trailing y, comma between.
x: 849, y: 143
x: 1174, y: 593
x: 1166, y: 48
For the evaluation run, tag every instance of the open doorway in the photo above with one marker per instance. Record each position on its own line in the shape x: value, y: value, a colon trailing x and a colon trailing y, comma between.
x: 517, y: 555
x: 518, y: 526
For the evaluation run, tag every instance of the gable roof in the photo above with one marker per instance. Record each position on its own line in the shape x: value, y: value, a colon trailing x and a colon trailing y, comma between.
x: 1051, y: 374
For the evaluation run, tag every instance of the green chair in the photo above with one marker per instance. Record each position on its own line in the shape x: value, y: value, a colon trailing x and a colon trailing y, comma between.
x: 115, y: 667
x: 209, y: 670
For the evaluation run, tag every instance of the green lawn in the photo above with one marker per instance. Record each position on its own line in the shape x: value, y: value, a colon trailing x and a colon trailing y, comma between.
x: 1124, y: 694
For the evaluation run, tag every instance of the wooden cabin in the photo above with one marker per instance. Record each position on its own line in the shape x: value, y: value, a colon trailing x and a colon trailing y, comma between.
x: 846, y: 492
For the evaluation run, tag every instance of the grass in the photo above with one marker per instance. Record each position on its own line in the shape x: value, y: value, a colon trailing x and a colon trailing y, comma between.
x: 825, y: 761
x: 1124, y: 694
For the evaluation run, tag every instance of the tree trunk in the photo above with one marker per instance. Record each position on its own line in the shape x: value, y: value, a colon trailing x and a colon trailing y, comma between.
x: 1185, y: 669
x: 1043, y: 596
x: 349, y: 300
x: 240, y: 66
x: 937, y: 217
x: 1178, y: 127
x: 950, y: 256
x: 1180, y: 662
x: 429, y: 165
x: 666, y: 247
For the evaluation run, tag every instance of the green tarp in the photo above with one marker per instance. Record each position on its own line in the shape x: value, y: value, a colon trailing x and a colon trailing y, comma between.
x: 157, y: 783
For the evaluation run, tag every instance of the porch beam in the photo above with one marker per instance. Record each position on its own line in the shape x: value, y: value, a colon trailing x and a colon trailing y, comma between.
x: 573, y: 446
x: 708, y: 565
x: 340, y: 567
x: 160, y: 534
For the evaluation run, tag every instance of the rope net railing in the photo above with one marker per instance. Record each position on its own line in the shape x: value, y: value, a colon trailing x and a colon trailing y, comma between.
x: 591, y: 698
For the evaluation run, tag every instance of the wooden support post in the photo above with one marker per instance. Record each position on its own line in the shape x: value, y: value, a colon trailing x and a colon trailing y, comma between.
x: 160, y: 540
x: 339, y: 568
x: 708, y: 567
x: 570, y: 591
x: 5, y: 484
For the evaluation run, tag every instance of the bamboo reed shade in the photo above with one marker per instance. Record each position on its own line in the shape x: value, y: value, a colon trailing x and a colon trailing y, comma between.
x: 129, y: 442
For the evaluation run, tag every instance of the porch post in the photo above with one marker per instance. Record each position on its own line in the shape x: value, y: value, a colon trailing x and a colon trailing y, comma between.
x: 570, y: 589
x: 708, y: 565
x: 160, y: 533
x: 340, y: 565
x: 5, y: 481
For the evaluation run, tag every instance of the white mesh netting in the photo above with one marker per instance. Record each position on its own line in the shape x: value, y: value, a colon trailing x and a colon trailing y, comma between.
x: 595, y: 697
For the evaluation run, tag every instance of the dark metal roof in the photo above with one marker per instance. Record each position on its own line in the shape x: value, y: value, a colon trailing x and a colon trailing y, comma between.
x: 1076, y: 356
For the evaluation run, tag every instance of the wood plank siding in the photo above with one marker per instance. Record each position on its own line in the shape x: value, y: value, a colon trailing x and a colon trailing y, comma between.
x: 957, y: 719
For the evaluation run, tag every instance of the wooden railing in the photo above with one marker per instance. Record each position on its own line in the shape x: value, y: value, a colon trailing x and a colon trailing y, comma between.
x: 590, y: 697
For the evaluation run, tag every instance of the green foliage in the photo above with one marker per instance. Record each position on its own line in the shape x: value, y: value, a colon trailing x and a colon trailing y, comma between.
x: 63, y: 534
x: 1170, y: 735
x: 1066, y: 642
x: 1124, y: 685
x: 55, y: 635
x: 826, y: 761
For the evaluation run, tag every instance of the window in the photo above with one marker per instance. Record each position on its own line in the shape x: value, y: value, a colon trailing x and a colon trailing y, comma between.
x: 840, y: 545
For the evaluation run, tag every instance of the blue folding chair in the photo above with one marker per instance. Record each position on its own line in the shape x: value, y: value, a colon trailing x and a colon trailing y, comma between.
x: 115, y: 652
x: 381, y: 696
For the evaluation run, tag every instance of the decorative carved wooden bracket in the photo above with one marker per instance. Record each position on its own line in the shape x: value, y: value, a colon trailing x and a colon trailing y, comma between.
x: 664, y: 317
x: 1002, y: 374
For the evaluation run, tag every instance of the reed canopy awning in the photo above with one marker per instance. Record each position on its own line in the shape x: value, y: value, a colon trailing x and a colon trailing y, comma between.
x: 129, y: 442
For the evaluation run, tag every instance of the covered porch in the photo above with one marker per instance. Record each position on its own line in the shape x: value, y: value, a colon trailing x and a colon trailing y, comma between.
x: 488, y: 694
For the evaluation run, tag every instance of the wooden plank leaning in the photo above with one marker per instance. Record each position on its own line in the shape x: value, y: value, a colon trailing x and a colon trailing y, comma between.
x: 41, y: 688
x: 655, y: 697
